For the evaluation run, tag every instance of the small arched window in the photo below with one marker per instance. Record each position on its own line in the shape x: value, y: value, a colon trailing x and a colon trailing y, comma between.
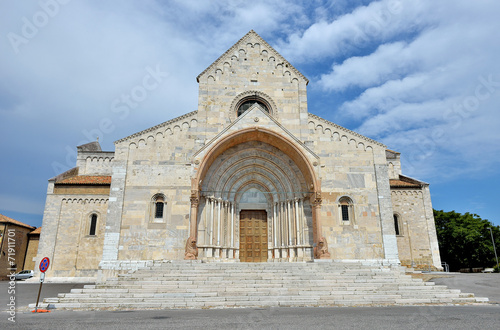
x: 93, y: 224
x: 397, y: 225
x: 346, y: 209
x: 158, y: 208
x: 159, y: 205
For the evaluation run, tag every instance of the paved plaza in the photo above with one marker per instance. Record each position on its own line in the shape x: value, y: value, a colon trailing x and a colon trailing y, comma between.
x: 422, y: 317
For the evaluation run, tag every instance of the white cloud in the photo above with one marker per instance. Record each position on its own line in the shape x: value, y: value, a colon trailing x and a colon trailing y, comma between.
x: 429, y: 61
x: 363, y: 72
x: 379, y: 21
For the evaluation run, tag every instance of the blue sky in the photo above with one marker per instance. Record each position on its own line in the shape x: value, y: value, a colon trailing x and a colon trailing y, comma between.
x: 422, y: 77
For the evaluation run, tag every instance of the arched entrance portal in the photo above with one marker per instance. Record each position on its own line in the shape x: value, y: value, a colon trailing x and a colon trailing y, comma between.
x: 254, y: 202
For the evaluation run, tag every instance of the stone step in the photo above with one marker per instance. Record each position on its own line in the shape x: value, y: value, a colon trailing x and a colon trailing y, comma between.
x: 189, y: 298
x: 139, y: 288
x: 267, y: 291
x: 265, y: 278
x: 262, y: 271
x: 381, y: 285
x: 264, y: 281
x: 298, y: 272
x: 285, y: 277
x: 262, y: 288
x: 289, y: 301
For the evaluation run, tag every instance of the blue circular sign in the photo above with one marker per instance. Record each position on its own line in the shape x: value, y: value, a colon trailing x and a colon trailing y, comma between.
x: 44, y: 264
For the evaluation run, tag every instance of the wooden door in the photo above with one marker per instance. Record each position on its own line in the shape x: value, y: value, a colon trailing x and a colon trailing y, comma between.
x: 253, y: 236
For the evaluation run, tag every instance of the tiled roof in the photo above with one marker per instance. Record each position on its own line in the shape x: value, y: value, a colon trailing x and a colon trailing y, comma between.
x: 406, y: 182
x: 36, y: 231
x: 399, y: 183
x: 4, y: 218
x: 87, y: 179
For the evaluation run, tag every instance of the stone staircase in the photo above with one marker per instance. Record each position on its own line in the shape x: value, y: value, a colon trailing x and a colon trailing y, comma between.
x: 193, y: 284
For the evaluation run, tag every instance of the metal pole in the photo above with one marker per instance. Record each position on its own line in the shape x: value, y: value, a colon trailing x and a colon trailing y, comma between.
x: 38, y: 298
x: 494, y: 248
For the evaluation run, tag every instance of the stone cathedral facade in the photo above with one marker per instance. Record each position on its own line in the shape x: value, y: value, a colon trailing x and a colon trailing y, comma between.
x: 251, y: 175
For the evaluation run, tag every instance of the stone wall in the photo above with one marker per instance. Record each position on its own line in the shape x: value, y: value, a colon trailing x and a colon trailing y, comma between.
x: 94, y: 162
x: 393, y: 164
x: 65, y: 232
x: 417, y: 240
x: 354, y: 166
x: 152, y: 162
x: 12, y: 244
x: 29, y: 260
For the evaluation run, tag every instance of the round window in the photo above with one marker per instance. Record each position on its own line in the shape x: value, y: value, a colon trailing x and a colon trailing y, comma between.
x: 247, y: 104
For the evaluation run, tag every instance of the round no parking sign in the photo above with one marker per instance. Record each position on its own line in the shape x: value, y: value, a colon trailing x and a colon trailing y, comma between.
x: 44, y: 264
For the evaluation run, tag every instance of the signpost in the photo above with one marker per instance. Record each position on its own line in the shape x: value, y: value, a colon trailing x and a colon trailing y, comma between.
x: 44, y: 265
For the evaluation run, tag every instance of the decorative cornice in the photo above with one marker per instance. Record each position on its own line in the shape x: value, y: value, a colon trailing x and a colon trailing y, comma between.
x: 171, y: 121
x: 406, y: 191
x: 271, y: 50
x: 85, y: 200
x: 346, y: 130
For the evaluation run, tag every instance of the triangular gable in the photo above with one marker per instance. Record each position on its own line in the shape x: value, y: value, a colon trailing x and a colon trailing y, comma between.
x: 241, y: 44
x: 91, y: 146
x: 247, y: 120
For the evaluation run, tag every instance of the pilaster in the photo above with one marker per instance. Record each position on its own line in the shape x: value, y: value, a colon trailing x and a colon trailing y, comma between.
x: 113, y: 223
x: 386, y: 213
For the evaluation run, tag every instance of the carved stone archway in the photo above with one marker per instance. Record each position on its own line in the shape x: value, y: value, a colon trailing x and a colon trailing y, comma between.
x: 273, y: 165
x: 253, y: 95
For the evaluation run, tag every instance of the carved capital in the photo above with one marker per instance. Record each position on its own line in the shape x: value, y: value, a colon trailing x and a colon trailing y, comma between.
x: 316, y: 199
x: 195, y: 197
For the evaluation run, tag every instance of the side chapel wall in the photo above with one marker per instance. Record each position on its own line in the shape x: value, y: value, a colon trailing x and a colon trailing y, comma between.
x: 65, y: 235
x: 354, y: 166
x: 150, y: 163
x: 417, y: 242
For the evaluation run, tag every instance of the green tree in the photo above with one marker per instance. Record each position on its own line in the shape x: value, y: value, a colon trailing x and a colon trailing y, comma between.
x: 465, y: 240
